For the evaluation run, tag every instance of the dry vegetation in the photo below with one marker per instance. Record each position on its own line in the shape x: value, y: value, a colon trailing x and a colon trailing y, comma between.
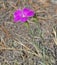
x: 34, y: 46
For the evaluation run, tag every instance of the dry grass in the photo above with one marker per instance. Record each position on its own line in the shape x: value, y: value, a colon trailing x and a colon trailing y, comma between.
x: 34, y: 46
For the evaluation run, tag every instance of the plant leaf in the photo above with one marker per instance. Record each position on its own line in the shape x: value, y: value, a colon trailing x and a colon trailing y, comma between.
x: 34, y: 20
x: 26, y: 24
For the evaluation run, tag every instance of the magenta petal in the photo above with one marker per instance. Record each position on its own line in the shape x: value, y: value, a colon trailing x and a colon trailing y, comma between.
x: 17, y: 19
x: 28, y: 12
x: 17, y: 13
x: 24, y: 19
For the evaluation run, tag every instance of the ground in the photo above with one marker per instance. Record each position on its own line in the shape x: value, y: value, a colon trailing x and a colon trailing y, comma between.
x: 36, y: 45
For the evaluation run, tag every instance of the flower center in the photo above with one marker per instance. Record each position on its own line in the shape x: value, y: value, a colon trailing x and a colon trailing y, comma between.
x: 23, y: 15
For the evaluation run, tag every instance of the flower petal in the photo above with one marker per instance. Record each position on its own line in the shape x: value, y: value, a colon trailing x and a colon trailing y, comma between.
x: 17, y: 13
x: 28, y: 12
x: 24, y: 19
x: 17, y: 19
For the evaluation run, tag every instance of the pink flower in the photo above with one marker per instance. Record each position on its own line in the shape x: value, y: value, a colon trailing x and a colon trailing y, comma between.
x: 23, y: 15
